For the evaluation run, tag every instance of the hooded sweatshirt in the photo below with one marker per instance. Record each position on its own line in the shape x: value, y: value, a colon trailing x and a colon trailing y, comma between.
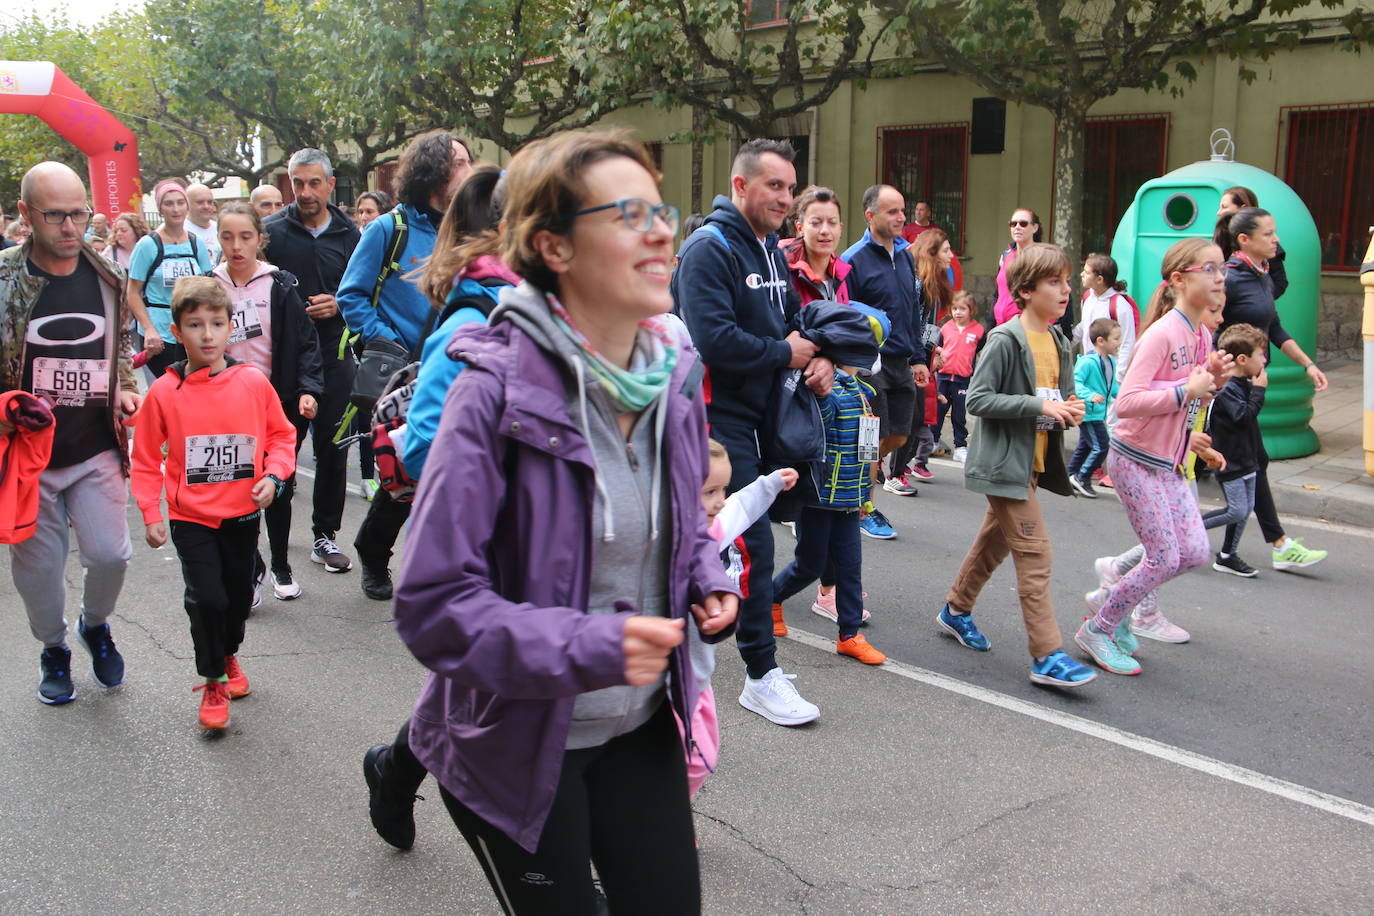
x: 1155, y: 414
x: 736, y: 298
x: 223, y: 433
x: 273, y: 332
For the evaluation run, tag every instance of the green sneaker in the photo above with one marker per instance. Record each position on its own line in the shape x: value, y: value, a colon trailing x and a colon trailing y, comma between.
x: 1296, y: 556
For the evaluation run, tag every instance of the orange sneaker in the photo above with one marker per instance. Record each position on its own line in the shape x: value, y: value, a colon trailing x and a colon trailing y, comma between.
x: 214, y: 705
x: 779, y: 625
x: 858, y: 647
x: 238, y: 681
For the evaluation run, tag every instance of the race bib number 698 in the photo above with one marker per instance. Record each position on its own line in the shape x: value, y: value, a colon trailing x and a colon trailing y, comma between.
x: 220, y: 459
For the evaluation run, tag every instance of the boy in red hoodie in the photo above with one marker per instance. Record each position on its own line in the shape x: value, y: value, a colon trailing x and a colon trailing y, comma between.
x: 229, y: 449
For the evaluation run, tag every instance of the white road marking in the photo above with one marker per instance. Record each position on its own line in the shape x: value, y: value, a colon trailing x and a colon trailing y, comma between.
x: 1303, y: 795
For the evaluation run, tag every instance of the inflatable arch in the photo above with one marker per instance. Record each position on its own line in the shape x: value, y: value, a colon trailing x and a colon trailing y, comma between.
x: 39, y: 88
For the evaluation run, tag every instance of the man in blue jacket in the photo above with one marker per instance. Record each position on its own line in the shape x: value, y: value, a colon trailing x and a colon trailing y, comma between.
x: 733, y: 290
x: 430, y: 171
x: 883, y: 275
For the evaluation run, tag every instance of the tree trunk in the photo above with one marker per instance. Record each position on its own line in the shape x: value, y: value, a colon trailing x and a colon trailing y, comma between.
x: 1069, y: 142
x: 698, y: 156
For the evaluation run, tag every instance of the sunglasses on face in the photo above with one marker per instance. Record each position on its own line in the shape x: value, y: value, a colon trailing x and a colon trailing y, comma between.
x: 1211, y: 270
x: 1019, y: 224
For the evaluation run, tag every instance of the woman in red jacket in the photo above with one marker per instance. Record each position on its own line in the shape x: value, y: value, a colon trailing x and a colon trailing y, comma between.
x: 817, y: 273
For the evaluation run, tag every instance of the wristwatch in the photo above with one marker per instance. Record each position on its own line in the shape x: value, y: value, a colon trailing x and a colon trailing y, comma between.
x: 281, y: 484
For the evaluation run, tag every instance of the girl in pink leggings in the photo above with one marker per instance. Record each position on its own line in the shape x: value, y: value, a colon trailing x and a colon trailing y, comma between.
x: 1173, y: 371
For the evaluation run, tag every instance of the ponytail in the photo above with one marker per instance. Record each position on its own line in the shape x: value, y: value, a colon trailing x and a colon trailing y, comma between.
x: 1104, y: 265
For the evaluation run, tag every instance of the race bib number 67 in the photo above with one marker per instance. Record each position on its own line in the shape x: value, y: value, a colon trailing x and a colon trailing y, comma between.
x: 220, y: 459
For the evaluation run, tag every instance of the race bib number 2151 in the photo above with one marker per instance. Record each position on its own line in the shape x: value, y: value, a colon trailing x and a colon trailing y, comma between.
x: 220, y: 459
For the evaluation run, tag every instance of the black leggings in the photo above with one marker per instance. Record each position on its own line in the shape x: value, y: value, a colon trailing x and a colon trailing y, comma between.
x: 622, y: 806
x: 1265, y: 511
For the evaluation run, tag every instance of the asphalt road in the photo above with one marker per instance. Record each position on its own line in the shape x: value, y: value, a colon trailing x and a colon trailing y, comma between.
x: 911, y: 793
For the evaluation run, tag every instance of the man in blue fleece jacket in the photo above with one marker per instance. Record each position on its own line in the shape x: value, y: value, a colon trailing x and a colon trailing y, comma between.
x: 431, y: 169
x: 732, y: 289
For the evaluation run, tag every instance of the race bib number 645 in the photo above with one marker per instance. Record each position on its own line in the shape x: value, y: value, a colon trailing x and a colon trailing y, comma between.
x: 220, y: 459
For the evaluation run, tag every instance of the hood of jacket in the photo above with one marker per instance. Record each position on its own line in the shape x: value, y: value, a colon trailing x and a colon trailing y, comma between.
x: 487, y: 267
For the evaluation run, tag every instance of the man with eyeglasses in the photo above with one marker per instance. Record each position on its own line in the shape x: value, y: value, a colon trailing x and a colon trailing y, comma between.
x: 733, y: 290
x: 380, y: 302
x: 64, y: 337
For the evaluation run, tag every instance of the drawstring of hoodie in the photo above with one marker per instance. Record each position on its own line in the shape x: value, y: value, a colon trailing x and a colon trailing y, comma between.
x: 607, y: 517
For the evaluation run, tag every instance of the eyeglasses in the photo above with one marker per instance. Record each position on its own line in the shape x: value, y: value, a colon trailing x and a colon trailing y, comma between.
x: 1019, y: 223
x: 58, y: 217
x: 1211, y: 270
x: 639, y: 214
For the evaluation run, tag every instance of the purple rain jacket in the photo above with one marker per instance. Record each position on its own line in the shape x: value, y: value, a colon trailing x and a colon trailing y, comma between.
x: 493, y: 589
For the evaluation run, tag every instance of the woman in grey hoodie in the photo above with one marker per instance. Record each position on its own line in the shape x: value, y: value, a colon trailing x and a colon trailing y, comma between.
x: 558, y: 548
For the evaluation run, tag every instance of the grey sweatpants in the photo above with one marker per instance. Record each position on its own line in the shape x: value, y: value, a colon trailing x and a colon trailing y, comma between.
x: 91, y: 496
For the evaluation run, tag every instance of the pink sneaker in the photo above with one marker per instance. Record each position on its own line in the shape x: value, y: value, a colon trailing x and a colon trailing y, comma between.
x: 923, y: 473
x: 1157, y: 626
x: 825, y: 606
x: 1106, y: 571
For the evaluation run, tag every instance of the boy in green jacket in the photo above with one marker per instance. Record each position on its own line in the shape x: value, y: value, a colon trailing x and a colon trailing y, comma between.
x: 1022, y: 393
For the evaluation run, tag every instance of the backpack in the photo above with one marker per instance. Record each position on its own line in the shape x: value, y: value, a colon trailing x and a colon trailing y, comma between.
x: 394, y: 403
x: 392, y: 262
x: 162, y: 255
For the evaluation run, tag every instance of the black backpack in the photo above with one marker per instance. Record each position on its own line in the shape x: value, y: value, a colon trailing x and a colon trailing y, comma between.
x: 162, y: 256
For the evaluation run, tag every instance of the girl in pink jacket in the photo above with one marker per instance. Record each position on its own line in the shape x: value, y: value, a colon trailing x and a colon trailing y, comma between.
x: 1172, y: 372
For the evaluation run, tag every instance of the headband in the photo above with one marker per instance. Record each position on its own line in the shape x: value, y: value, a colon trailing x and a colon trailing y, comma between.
x: 163, y: 188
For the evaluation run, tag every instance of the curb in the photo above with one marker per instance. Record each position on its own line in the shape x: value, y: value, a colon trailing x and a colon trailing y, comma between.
x: 1314, y: 504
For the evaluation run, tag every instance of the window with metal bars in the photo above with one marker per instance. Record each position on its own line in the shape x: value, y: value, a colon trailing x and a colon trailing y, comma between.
x: 1120, y: 154
x: 767, y: 12
x: 929, y: 162
x: 1330, y: 164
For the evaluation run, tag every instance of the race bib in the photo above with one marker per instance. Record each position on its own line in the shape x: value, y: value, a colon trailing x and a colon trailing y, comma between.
x: 173, y: 268
x: 220, y: 459
x: 868, y: 439
x: 1047, y: 394
x: 71, y: 382
x: 247, y: 323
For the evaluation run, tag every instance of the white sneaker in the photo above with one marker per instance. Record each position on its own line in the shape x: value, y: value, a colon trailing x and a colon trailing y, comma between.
x: 774, y: 698
x: 284, y: 585
x: 961, y: 454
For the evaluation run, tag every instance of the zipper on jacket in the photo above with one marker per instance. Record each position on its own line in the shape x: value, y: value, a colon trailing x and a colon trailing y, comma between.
x: 633, y: 458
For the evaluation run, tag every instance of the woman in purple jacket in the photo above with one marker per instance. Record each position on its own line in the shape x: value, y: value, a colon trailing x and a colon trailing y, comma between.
x: 558, y: 548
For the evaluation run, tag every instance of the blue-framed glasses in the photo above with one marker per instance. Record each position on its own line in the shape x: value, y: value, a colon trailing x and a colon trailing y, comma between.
x: 639, y: 214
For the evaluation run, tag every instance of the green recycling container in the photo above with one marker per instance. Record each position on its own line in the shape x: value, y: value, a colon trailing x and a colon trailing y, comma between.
x: 1183, y: 204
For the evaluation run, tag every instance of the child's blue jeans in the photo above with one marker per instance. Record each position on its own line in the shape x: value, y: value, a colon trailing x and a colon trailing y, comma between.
x: 828, y: 534
x: 1093, y: 440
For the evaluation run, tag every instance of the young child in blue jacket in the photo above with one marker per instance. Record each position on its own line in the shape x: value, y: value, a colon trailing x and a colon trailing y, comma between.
x: 1094, y: 377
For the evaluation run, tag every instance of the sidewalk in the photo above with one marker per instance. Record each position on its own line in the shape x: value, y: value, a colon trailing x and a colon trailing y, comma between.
x: 1330, y: 484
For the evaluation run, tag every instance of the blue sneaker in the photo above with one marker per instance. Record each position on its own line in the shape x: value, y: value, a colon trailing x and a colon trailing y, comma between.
x: 1058, y: 670
x: 55, y: 686
x: 962, y: 628
x: 106, y: 663
x: 876, y: 525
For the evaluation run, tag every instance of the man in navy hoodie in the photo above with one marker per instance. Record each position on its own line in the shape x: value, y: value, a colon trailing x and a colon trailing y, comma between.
x: 883, y: 276
x: 733, y: 290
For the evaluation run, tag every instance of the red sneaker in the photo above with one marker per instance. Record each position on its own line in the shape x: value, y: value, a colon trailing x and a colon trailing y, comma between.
x: 238, y: 681
x: 779, y: 625
x: 214, y: 705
